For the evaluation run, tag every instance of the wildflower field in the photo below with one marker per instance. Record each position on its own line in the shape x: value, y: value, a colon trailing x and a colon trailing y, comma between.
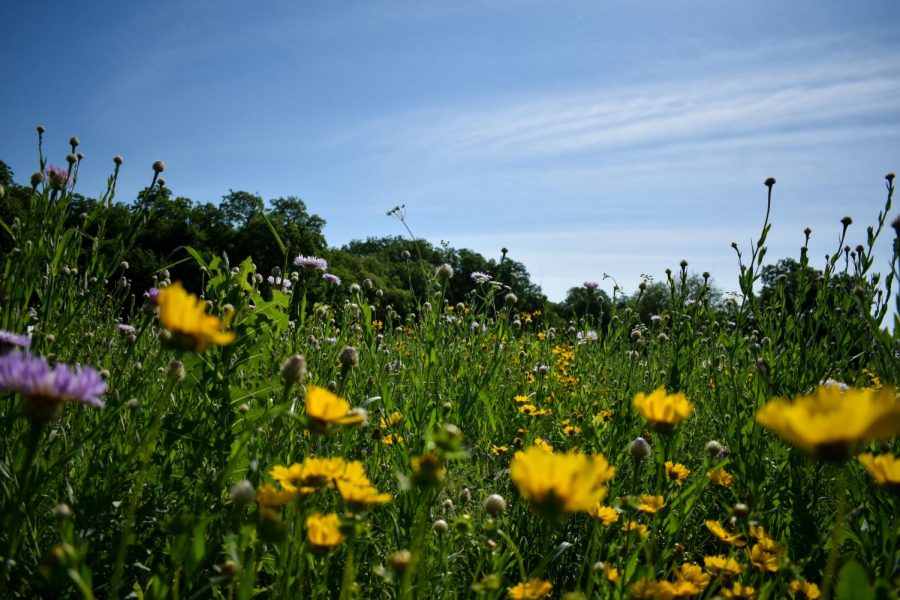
x: 244, y: 438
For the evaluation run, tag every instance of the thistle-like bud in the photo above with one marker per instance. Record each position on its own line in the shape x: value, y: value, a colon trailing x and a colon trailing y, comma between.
x: 176, y: 371
x: 445, y: 272
x: 71, y: 159
x: 74, y: 141
x: 770, y: 182
x: 242, y: 493
x: 36, y: 179
x: 118, y: 160
x: 495, y: 505
x: 159, y: 166
x: 399, y: 561
x: 639, y: 449
x: 349, y: 357
x: 41, y: 129
x: 440, y: 527
x: 294, y: 369
x: 714, y: 448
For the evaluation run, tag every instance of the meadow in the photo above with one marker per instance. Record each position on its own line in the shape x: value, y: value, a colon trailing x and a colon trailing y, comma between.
x: 243, y: 439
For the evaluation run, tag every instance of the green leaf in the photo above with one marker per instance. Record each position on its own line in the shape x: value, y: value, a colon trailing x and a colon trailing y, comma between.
x: 853, y: 583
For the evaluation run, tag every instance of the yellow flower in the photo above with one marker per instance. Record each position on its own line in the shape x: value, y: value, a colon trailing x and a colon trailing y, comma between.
x: 884, y: 468
x: 601, y: 417
x: 807, y: 589
x: 720, y: 477
x: 611, y: 573
x: 828, y: 422
x: 723, y: 565
x: 544, y: 445
x: 676, y: 472
x: 391, y: 439
x: 184, y: 316
x: 568, y: 482
x: 392, y: 420
x: 497, y: 450
x: 521, y: 399
x: 533, y: 589
x: 717, y: 530
x: 360, y: 496
x: 606, y: 514
x: 649, y: 503
x: 269, y: 495
x: 629, y: 526
x: 694, y: 575
x: 571, y: 430
x: 742, y: 592
x: 764, y: 558
x: 325, y: 409
x: 664, y: 410
x: 324, y: 532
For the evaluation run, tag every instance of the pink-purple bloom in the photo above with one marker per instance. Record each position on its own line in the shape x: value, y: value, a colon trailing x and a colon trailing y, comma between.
x: 58, y: 176
x: 311, y: 263
x: 10, y: 340
x: 590, y: 285
x: 480, y: 277
x: 45, y: 388
x: 331, y: 278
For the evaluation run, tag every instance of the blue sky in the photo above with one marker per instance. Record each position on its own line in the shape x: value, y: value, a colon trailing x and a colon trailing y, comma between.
x: 588, y: 137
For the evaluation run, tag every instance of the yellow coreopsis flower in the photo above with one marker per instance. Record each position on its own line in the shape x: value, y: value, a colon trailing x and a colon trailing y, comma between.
x: 325, y: 409
x: 723, y: 565
x: 533, y: 589
x: 360, y: 496
x: 884, y: 468
x: 184, y: 316
x: 717, y: 530
x: 605, y: 514
x: 827, y: 423
x: 742, y: 592
x: 676, y: 472
x: 323, y: 532
x: 556, y: 483
x: 649, y: 503
x: 629, y: 526
x: 805, y: 588
x: 269, y: 495
x: 665, y: 411
x: 720, y: 477
x: 691, y: 579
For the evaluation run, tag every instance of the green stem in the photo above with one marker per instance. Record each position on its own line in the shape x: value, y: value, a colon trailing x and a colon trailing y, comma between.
x: 347, y: 579
x: 18, y: 512
x: 836, y: 535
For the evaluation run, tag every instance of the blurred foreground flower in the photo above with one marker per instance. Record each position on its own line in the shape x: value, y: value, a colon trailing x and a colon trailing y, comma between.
x: 665, y: 411
x: 556, y: 483
x: 45, y: 389
x: 827, y: 423
x: 184, y: 316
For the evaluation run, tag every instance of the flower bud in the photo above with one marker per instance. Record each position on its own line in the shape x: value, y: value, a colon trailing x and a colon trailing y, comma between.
x: 440, y: 527
x: 349, y: 357
x: 399, y: 561
x: 714, y: 448
x: 639, y: 449
x: 495, y: 505
x: 242, y: 493
x: 464, y: 495
x: 159, y: 166
x: 445, y: 272
x: 176, y: 371
x: 294, y: 369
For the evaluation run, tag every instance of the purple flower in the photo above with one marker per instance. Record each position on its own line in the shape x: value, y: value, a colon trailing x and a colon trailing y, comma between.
x: 125, y: 329
x: 655, y: 319
x: 584, y: 338
x: 44, y: 388
x: 10, y: 340
x: 311, y: 263
x: 590, y: 285
x: 331, y: 278
x: 58, y: 176
x: 331, y: 341
x: 152, y: 295
x: 480, y: 277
